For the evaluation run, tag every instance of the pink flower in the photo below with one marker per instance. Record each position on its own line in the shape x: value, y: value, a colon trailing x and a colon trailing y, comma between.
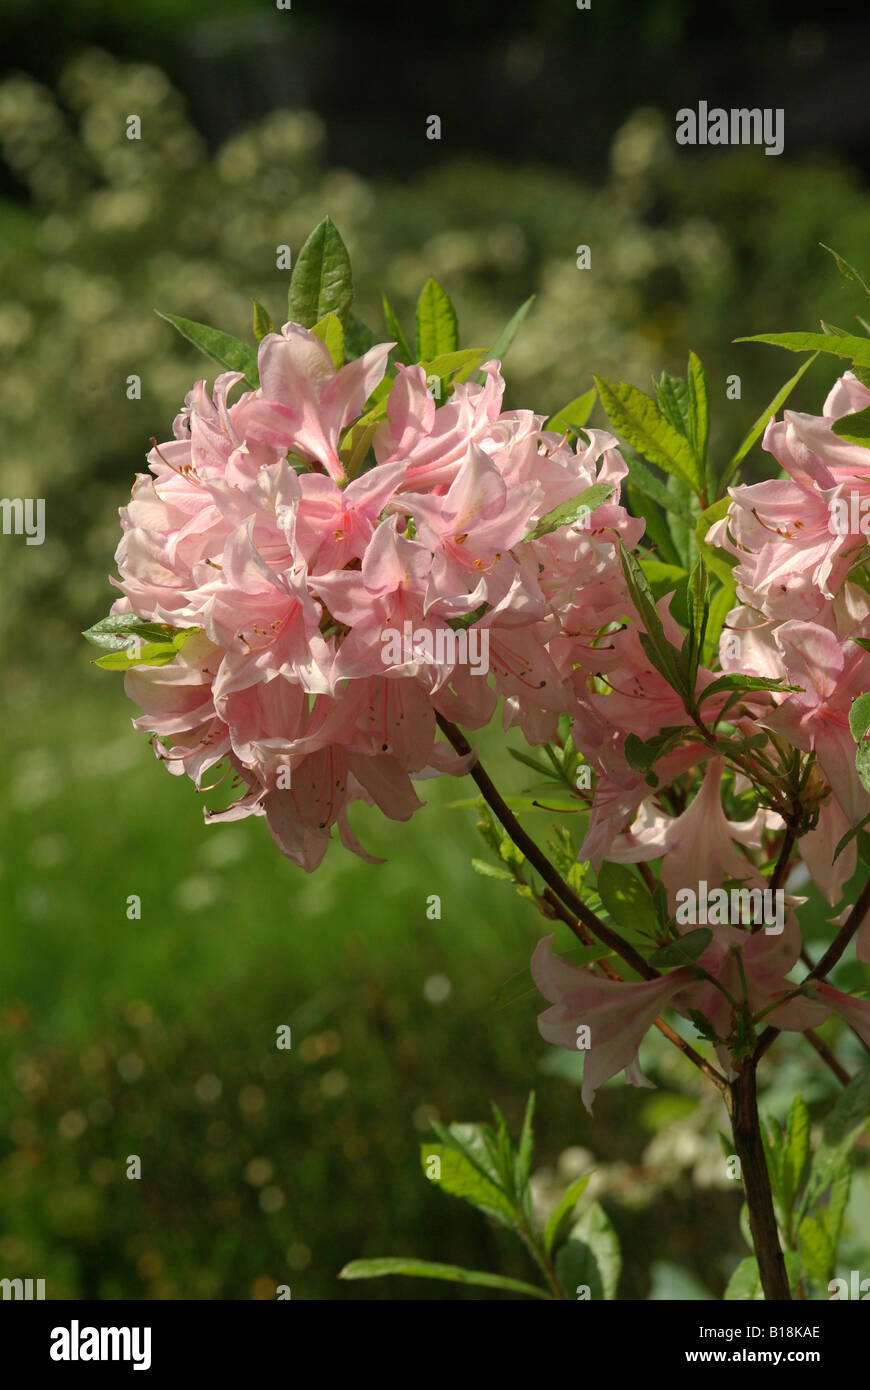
x: 303, y: 402
x: 617, y: 1015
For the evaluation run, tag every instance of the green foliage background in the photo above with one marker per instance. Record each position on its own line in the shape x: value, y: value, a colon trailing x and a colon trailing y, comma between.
x: 156, y: 1037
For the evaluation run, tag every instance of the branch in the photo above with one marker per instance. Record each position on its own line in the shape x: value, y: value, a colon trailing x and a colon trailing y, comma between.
x: 564, y: 901
x: 539, y: 860
x: 844, y: 935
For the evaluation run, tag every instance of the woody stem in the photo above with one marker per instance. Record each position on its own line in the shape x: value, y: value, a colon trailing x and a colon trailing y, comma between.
x: 562, y: 898
x: 746, y: 1128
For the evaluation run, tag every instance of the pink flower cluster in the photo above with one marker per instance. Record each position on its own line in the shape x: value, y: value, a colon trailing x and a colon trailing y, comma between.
x: 795, y: 623
x: 248, y: 532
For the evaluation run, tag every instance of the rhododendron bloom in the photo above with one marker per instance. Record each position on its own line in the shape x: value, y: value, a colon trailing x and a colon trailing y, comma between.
x: 249, y: 534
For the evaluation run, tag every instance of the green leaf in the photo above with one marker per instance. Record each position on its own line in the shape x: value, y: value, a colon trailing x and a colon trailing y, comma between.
x: 455, y: 366
x: 845, y: 268
x: 357, y: 338
x: 563, y: 1211
x: 150, y: 654
x: 854, y: 833
x: 817, y: 1250
x: 534, y: 764
x: 699, y: 607
x: 118, y: 630
x: 862, y: 763
x: 642, y: 754
x: 858, y: 349
x: 526, y: 1149
x: 321, y: 282
x: 735, y: 680
x: 855, y: 429
x: 262, y: 321
x: 760, y: 425
x: 230, y: 353
x: 721, y: 604
x: 510, y: 330
x: 590, y: 1256
x: 663, y: 579
x: 437, y: 330
x: 487, y: 870
x: 684, y: 951
x: 426, y: 1269
x: 461, y: 1178
x: 719, y: 561
x: 744, y: 1286
x: 665, y: 657
x: 638, y: 418
x: 329, y: 329
x: 651, y: 486
x: 859, y: 717
x: 797, y: 1147
x: 699, y: 408
x: 672, y: 395
x: 395, y: 331
x: 574, y: 415
x: 839, y: 1200
x: 569, y: 513
x: 626, y: 897
x: 841, y: 1131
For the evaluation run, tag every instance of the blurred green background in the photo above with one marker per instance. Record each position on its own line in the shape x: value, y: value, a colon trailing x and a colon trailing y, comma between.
x: 157, y: 1037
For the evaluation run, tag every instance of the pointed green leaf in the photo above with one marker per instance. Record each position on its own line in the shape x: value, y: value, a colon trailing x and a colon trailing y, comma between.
x: 672, y: 395
x: 118, y: 630
x: 590, y: 1256
x: 437, y: 330
x: 526, y: 1149
x: 426, y: 1269
x: 321, y: 282
x: 330, y: 330
x: 761, y: 423
x: 639, y: 419
x: 735, y: 680
x: 797, y: 1146
x: 651, y: 486
x: 858, y: 349
x: 859, y: 717
x: 699, y: 407
x: 626, y: 897
x: 719, y: 561
x: 817, y: 1251
x: 574, y: 415
x: 487, y: 870
x: 855, y: 428
x: 862, y: 763
x: 845, y: 269
x: 841, y: 1131
x: 684, y: 951
x: 664, y: 656
x: 395, y: 331
x: 563, y: 1211
x: 262, y: 321
x: 510, y: 330
x: 357, y: 338
x: 230, y: 353
x: 570, y: 513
